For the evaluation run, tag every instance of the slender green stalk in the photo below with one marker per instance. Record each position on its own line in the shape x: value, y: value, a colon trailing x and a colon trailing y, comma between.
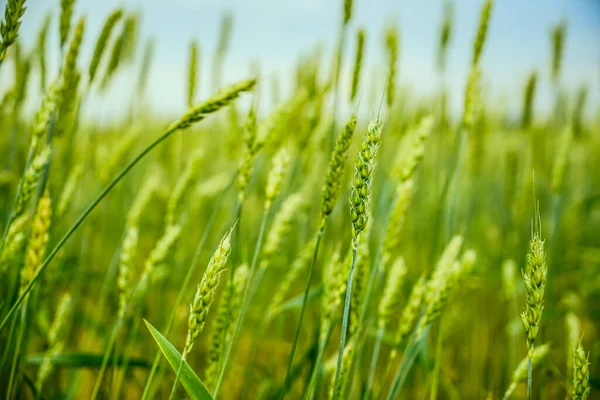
x: 245, y: 304
x: 408, y: 359
x: 302, y: 309
x: 374, y: 359
x: 529, y: 377
x: 312, y: 385
x: 345, y: 318
x: 107, y: 351
x: 186, y: 281
x: 436, y: 367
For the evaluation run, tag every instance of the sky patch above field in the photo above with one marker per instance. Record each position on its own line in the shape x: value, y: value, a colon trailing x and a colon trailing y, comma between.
x: 276, y: 32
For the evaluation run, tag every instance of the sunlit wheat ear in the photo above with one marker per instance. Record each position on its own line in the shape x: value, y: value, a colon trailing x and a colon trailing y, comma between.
x: 472, y: 98
x: 126, y: 266
x: 66, y: 13
x: 120, y: 49
x: 335, y: 170
x: 249, y: 150
x: 482, y: 30
x: 411, y: 157
x: 581, y: 374
x: 223, y: 323
x: 100, y: 48
x: 38, y: 239
x: 70, y: 79
x: 141, y: 201
x: 205, y: 292
x: 160, y: 252
x: 395, y: 226
x: 520, y: 374
x: 360, y: 45
x: 9, y: 28
x: 534, y: 276
x: 411, y: 310
x: 182, y: 185
x: 281, y: 227
x: 192, y: 73
x: 391, y: 293
x: 15, y: 239
x: 561, y: 162
x: 364, y: 166
x: 347, y: 11
x: 558, y: 43
x: 68, y: 190
x: 391, y: 45
x: 215, y: 103
x: 57, y: 337
x: 40, y: 49
x: 31, y: 179
x: 292, y: 274
x: 50, y: 101
x: 527, y: 113
x: 281, y: 160
x: 445, y: 34
x: 446, y: 260
x: 334, y: 282
x: 438, y: 293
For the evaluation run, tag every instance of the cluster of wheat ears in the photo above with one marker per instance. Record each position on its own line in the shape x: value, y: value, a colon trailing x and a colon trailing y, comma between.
x: 420, y: 269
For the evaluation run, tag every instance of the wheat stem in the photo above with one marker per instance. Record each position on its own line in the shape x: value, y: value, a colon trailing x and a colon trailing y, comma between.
x: 302, y: 310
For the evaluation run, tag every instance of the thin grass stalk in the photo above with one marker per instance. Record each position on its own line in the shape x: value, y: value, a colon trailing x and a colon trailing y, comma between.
x: 107, y: 351
x: 408, y: 359
x: 13, y: 369
x: 345, y: 318
x: 302, y: 310
x: 125, y: 362
x: 374, y: 359
x: 438, y: 355
x: 529, y: 377
x: 314, y: 378
x: 186, y: 281
x: 245, y: 304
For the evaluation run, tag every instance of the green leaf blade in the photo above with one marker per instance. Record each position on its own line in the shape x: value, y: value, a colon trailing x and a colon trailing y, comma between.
x: 190, y: 381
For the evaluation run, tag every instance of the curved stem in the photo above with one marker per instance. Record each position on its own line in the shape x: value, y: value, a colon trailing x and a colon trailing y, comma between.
x: 345, y: 319
x: 286, y: 382
x: 245, y: 304
x: 80, y: 220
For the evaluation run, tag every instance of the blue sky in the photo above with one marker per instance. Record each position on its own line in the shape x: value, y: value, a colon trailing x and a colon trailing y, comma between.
x: 275, y: 32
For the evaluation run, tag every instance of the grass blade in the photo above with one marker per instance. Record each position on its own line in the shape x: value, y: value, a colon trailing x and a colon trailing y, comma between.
x: 190, y: 381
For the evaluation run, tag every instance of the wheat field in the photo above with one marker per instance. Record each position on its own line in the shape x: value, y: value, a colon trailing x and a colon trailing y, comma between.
x: 346, y: 239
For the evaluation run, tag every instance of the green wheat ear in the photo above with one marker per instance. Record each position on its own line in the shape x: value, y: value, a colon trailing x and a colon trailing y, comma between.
x: 213, y: 104
x: 9, y: 28
x: 360, y: 198
x: 103, y: 38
